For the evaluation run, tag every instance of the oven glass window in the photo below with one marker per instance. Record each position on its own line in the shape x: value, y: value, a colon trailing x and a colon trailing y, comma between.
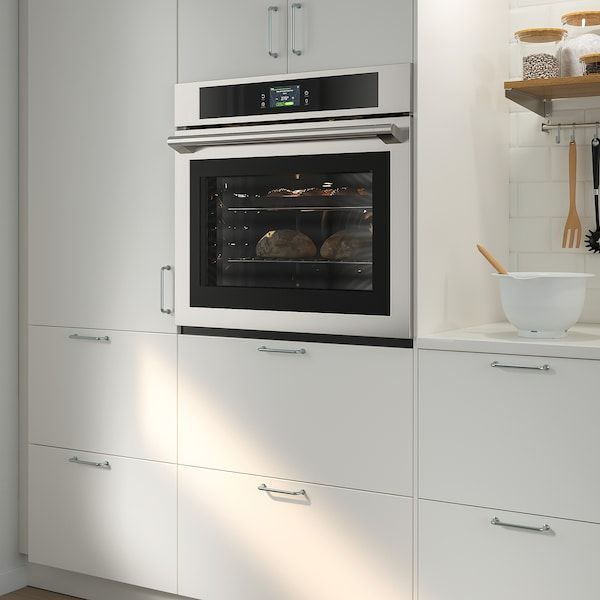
x: 292, y: 233
x: 300, y: 231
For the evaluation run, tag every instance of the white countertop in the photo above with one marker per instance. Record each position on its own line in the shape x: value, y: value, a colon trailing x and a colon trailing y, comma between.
x: 582, y: 341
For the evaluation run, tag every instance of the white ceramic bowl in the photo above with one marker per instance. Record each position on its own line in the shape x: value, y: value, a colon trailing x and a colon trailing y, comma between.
x: 543, y: 305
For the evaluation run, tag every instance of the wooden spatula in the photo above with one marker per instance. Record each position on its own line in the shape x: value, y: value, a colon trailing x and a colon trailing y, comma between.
x: 572, y: 231
x: 492, y: 260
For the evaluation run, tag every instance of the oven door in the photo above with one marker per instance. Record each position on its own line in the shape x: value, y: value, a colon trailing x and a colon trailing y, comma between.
x: 300, y: 236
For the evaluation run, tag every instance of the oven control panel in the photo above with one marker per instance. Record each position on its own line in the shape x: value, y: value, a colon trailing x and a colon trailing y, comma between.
x: 286, y: 97
x: 319, y: 93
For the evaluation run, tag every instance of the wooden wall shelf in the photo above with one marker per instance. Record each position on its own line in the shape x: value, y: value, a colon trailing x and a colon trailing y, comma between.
x: 537, y: 94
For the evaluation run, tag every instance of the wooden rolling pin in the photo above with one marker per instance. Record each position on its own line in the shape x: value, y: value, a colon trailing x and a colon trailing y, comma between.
x: 492, y: 260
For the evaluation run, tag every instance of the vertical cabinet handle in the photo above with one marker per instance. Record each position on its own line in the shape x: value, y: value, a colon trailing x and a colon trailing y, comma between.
x: 270, y: 11
x: 163, y: 308
x: 295, y: 6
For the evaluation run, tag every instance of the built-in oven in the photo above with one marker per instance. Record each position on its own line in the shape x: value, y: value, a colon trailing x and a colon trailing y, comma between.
x: 293, y: 204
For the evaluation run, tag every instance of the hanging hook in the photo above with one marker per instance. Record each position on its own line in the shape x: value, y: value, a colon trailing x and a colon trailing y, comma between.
x: 573, y: 134
x: 597, y: 125
x: 558, y: 135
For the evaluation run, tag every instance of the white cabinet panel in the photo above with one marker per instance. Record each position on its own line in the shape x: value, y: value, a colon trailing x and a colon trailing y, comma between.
x: 337, y: 414
x: 330, y: 34
x: 118, y: 397
x: 462, y: 556
x: 221, y: 39
x: 513, y: 438
x: 236, y: 541
x: 100, y: 175
x: 118, y: 523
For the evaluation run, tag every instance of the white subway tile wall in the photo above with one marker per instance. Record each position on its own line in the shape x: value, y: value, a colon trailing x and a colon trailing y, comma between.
x: 539, y: 189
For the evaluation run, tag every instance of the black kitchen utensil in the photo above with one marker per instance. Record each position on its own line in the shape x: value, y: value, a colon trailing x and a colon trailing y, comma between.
x: 592, y: 239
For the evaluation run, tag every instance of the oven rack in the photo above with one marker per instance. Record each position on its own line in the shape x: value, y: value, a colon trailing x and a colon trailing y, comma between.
x: 307, y: 261
x: 309, y: 197
x: 289, y: 208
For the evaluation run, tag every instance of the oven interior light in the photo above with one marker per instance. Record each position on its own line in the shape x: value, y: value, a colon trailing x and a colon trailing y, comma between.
x: 327, y: 184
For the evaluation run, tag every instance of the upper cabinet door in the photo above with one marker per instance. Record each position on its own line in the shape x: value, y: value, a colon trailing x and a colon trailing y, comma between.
x: 220, y: 39
x: 329, y: 34
x: 100, y: 174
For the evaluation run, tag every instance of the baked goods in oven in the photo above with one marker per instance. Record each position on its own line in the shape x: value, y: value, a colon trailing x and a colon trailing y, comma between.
x: 314, y: 191
x: 342, y: 191
x: 283, y: 192
x: 350, y: 191
x: 349, y: 244
x: 285, y: 243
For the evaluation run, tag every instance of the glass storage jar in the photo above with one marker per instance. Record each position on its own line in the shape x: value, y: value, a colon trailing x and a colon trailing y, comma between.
x: 540, y: 51
x: 590, y: 64
x: 583, y: 28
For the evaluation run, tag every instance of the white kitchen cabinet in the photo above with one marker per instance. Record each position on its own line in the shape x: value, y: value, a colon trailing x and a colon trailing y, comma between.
x: 117, y: 396
x: 462, y: 556
x: 100, y: 79
x: 523, y: 439
x: 335, y: 414
x: 117, y: 523
x: 221, y: 39
x: 236, y: 541
x: 329, y: 34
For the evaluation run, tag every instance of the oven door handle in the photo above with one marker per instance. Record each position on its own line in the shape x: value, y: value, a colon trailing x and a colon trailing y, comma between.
x: 390, y: 133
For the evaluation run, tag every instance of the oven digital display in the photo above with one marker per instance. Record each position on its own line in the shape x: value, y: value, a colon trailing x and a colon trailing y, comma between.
x: 284, y: 96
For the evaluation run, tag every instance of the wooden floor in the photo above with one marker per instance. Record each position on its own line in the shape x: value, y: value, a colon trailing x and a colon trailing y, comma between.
x: 30, y: 593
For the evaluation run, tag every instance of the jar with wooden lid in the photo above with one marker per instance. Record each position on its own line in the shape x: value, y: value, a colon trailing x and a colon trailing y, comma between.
x: 540, y: 51
x: 583, y: 28
x: 590, y: 64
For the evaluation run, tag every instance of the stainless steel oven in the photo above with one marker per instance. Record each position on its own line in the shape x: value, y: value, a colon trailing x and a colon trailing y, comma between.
x: 293, y: 203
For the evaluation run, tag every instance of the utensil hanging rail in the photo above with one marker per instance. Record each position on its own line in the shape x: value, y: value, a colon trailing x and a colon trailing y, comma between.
x: 547, y: 127
x: 568, y: 127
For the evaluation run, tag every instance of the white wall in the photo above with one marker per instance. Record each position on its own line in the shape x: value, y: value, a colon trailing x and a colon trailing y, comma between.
x: 462, y: 160
x: 12, y: 575
x: 539, y: 169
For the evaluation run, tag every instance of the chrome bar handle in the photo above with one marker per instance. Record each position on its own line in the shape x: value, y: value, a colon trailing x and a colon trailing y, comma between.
x: 92, y: 338
x: 531, y: 368
x: 295, y: 6
x: 270, y: 11
x: 90, y: 463
x: 264, y: 488
x: 281, y: 350
x: 497, y: 521
x: 166, y: 311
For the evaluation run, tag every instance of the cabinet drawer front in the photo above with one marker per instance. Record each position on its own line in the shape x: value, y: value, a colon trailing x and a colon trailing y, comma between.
x: 521, y: 439
x: 335, y: 414
x: 117, y: 523
x: 462, y: 556
x: 117, y: 396
x: 237, y: 541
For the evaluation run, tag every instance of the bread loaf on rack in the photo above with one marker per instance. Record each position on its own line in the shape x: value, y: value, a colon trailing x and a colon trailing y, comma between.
x: 349, y: 244
x: 285, y: 243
